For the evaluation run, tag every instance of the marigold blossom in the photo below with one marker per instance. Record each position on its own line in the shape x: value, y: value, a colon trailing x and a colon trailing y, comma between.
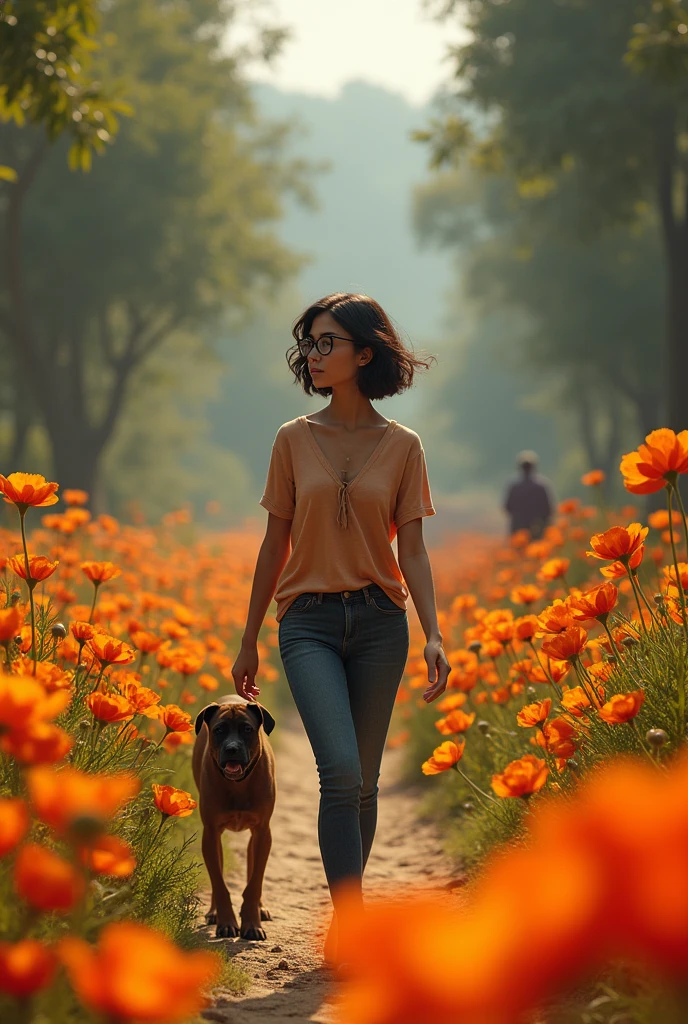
x: 176, y: 803
x: 26, y: 967
x: 522, y: 777
x: 25, y: 489
x: 657, y: 462
x: 622, y: 707
x: 443, y: 757
x: 137, y: 974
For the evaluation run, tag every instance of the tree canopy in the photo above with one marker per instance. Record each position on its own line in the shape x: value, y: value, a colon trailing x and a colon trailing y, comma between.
x: 169, y: 233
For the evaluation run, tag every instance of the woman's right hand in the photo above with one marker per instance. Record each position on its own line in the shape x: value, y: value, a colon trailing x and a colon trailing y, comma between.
x: 244, y: 672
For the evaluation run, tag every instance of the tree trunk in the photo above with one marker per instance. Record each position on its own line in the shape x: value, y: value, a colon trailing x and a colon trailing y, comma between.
x: 677, y: 323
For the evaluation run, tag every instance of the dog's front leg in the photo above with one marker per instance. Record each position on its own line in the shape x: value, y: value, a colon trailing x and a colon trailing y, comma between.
x: 227, y: 925
x: 261, y: 842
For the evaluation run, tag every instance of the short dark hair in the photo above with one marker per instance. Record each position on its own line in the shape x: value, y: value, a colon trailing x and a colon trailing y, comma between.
x: 392, y: 367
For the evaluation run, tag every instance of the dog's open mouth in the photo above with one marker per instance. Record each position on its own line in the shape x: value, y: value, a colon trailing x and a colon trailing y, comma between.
x: 233, y: 768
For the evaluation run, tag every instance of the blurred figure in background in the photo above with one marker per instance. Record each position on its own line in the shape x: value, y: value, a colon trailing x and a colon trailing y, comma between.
x: 529, y: 499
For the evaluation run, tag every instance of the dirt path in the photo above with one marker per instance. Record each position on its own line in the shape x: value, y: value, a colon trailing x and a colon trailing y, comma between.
x: 290, y: 983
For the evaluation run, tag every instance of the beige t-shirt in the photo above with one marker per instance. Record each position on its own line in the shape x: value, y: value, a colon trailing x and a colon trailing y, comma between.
x: 341, y: 534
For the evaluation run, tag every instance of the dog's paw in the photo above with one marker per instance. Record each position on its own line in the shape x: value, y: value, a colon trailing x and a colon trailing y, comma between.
x: 211, y: 917
x: 253, y: 933
x: 227, y: 931
x: 265, y: 915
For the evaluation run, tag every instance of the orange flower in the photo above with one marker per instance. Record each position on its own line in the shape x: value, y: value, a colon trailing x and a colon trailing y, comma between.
x: 142, y: 697
x: 526, y: 627
x: 174, y: 719
x: 594, y: 478
x: 24, y: 700
x: 527, y: 593
x: 534, y: 714
x: 575, y: 700
x: 24, y: 489
x: 455, y: 721
x: 558, y: 737
x: 594, y: 604
x: 556, y: 618
x: 554, y: 569
x: 100, y: 572
x: 622, y: 707
x: 186, y: 662
x: 137, y: 974
x: 37, y: 743
x: 75, y: 497
x: 657, y: 462
x: 25, y: 967
x: 567, y: 645
x: 14, y: 824
x: 110, y: 707
x: 40, y: 568
x: 45, y: 880
x: 111, y: 651
x: 61, y: 798
x: 453, y: 701
x: 11, y: 621
x: 144, y: 641
x: 82, y: 631
x: 618, y: 569
x: 618, y: 543
x: 443, y: 757
x: 208, y: 682
x: 523, y: 777
x: 108, y: 855
x: 175, y: 803
x: 659, y: 519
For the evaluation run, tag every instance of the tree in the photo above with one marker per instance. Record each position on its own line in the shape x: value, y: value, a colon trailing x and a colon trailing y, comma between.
x: 585, y: 311
x: 561, y: 83
x: 168, y: 234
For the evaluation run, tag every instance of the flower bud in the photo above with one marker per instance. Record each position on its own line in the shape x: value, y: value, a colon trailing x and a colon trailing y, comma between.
x: 483, y: 727
x: 531, y: 691
x: 468, y: 807
x: 658, y: 598
x: 475, y: 647
x: 629, y: 641
x: 59, y: 631
x: 656, y: 738
x: 16, y: 596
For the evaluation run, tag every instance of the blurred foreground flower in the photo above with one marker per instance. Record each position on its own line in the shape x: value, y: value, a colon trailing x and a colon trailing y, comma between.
x: 137, y: 974
x: 608, y: 871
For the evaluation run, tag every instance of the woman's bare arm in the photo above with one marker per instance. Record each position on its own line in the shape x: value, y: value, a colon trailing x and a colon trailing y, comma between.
x: 272, y: 557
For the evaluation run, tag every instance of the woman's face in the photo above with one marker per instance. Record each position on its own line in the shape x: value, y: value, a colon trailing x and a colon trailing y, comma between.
x: 342, y: 364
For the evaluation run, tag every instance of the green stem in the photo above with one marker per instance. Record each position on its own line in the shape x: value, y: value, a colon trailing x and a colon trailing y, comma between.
x: 95, y: 598
x: 637, y: 599
x: 557, y: 689
x: 634, y: 574
x: 683, y: 515
x: 28, y: 583
x: 682, y: 603
x: 612, y: 641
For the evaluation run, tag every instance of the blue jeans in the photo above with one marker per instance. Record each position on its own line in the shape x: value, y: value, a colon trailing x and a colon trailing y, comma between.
x: 344, y: 655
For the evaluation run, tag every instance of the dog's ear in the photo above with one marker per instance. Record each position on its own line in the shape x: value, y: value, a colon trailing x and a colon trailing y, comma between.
x: 206, y: 715
x: 261, y: 715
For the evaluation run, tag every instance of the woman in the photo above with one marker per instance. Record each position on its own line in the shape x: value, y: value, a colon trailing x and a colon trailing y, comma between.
x: 341, y: 483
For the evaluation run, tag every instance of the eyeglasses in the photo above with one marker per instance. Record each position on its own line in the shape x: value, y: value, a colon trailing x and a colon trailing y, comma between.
x: 323, y: 344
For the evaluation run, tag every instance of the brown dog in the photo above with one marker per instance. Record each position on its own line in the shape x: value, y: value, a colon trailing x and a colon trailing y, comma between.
x: 234, y: 769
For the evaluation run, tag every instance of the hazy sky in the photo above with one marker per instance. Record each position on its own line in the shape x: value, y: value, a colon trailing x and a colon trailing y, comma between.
x: 389, y: 42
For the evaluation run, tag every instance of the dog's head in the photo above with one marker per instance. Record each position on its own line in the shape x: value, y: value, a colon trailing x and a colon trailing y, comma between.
x: 234, y: 727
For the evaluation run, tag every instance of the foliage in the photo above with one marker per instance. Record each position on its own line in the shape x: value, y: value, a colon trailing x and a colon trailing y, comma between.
x: 567, y: 103
x: 104, y: 717
x: 179, y: 215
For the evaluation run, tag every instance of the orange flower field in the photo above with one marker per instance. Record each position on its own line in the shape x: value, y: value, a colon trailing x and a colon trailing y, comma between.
x: 555, y: 762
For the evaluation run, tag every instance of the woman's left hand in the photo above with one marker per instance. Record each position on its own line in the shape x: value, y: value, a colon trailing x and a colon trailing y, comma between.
x: 438, y: 670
